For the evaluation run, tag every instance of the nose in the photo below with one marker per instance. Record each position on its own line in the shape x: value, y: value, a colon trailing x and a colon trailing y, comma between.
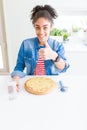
x: 41, y: 31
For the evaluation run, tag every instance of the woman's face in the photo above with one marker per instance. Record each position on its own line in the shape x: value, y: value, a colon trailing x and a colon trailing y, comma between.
x: 42, y: 29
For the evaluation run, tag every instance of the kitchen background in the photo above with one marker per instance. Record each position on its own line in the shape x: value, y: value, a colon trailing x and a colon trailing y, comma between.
x: 15, y: 26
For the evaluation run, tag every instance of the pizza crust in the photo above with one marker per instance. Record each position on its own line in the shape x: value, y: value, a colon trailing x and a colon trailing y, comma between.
x: 39, y: 85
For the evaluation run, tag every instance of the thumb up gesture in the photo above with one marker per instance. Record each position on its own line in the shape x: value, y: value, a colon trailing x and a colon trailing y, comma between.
x: 47, y: 53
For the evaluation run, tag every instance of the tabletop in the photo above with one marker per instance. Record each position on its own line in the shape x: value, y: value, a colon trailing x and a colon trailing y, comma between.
x: 56, y: 110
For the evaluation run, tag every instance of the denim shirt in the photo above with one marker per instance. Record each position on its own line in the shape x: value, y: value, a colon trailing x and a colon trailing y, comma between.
x: 28, y: 57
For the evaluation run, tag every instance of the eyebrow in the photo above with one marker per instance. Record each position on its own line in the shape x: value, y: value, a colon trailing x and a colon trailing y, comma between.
x: 42, y: 26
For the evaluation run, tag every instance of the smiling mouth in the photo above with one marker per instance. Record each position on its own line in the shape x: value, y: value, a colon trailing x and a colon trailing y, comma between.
x: 41, y: 38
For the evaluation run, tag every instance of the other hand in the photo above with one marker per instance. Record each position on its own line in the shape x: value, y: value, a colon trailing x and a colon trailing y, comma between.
x: 17, y: 79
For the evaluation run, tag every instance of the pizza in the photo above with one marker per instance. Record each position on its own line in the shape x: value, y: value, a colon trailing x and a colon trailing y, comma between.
x: 39, y: 85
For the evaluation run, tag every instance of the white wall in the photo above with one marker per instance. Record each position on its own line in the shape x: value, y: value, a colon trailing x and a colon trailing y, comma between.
x: 77, y: 61
x: 18, y: 26
x: 17, y: 20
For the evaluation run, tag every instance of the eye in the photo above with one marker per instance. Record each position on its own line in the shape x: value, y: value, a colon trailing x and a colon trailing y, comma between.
x: 45, y: 28
x: 37, y: 28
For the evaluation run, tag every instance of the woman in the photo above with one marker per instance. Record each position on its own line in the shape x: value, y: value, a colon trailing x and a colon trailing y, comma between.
x: 40, y: 55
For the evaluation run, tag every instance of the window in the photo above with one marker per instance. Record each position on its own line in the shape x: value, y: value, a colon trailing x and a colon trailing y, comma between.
x: 75, y: 23
x: 3, y: 48
x: 72, y: 21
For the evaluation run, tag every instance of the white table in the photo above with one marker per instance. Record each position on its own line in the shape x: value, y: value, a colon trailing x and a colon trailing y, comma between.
x: 55, y: 111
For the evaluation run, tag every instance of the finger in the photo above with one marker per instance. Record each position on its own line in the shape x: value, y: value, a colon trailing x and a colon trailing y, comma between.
x: 16, y: 79
x: 42, y: 56
x: 18, y: 87
x: 41, y: 50
x: 46, y: 44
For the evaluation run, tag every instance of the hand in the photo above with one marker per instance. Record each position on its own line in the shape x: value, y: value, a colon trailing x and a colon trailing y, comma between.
x: 17, y: 78
x: 47, y: 53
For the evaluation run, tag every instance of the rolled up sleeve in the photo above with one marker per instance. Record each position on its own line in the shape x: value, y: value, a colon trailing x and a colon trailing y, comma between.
x: 18, y: 73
